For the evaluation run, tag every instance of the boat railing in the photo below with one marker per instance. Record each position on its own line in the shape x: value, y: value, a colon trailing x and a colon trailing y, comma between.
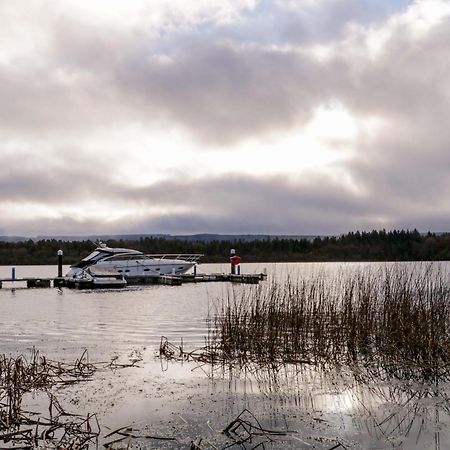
x: 190, y: 257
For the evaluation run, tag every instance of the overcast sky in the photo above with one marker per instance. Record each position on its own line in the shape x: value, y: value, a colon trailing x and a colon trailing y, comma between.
x: 231, y: 116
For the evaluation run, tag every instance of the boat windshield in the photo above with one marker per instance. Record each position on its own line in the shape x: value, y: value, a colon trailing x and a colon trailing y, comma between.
x: 91, y: 259
x: 93, y: 256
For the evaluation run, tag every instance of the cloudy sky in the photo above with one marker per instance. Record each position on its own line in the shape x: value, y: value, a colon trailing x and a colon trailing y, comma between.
x: 230, y: 116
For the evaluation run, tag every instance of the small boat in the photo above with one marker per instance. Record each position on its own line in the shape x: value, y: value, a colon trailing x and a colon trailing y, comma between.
x: 130, y: 264
x: 93, y: 278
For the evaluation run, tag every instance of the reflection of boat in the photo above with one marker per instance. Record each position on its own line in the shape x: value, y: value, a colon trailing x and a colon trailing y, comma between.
x: 132, y: 263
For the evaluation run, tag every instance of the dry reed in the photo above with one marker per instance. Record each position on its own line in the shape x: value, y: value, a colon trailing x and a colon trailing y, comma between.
x: 397, y: 319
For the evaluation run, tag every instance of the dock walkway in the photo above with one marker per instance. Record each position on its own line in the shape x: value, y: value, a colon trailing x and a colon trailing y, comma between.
x: 171, y: 280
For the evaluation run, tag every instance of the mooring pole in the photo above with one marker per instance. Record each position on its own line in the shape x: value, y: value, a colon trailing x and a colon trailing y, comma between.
x: 232, y: 255
x: 60, y: 263
x: 235, y: 261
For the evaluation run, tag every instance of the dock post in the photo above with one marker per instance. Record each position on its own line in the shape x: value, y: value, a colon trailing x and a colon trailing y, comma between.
x: 60, y: 263
x: 234, y: 261
x: 13, y: 273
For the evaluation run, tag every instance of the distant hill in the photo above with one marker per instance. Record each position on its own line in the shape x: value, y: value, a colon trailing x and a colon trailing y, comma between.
x: 13, y: 238
x: 205, y: 237
x: 236, y: 237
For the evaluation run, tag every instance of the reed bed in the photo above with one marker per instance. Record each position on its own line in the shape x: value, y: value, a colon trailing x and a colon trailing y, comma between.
x: 396, y: 320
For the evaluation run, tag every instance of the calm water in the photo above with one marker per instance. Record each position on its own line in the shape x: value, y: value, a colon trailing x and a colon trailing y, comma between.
x: 181, y: 399
x: 104, y: 321
x: 116, y: 321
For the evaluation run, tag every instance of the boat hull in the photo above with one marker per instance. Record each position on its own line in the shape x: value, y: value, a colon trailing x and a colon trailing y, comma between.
x: 137, y: 269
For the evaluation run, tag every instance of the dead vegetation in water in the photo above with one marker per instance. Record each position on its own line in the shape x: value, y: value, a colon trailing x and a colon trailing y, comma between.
x: 23, y: 429
x: 246, y: 432
x: 243, y: 432
x: 60, y: 429
x: 395, y: 321
x: 390, y: 327
x: 128, y: 434
x: 412, y: 408
x: 203, y: 356
x: 22, y: 376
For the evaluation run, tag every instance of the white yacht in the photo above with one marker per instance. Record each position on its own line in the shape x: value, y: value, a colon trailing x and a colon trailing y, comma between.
x: 132, y: 263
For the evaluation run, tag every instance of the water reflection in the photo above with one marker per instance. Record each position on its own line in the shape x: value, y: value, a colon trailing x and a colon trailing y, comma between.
x: 355, y: 404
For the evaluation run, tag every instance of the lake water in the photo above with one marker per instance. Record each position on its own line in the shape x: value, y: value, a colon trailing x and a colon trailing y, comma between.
x: 111, y: 321
x: 104, y: 321
x: 180, y: 399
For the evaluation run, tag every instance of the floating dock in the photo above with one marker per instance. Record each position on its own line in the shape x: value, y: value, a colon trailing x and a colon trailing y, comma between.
x: 33, y: 282
x: 171, y: 280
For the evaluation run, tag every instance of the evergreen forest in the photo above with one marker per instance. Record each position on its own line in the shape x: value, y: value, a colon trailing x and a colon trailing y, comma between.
x: 403, y: 245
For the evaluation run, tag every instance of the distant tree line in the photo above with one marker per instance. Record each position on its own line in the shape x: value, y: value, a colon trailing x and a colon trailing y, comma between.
x: 359, y: 246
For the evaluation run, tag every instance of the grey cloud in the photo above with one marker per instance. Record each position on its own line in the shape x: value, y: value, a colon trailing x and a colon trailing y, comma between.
x: 397, y: 167
x: 407, y: 87
x: 219, y: 85
x: 56, y: 181
x: 38, y: 101
x: 214, y: 195
x: 222, y: 93
x: 219, y: 89
x: 224, y: 90
x: 248, y: 205
x: 286, y: 206
x: 64, y: 225
x: 409, y: 78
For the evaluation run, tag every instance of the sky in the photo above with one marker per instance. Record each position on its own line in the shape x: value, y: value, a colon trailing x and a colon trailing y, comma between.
x: 232, y: 116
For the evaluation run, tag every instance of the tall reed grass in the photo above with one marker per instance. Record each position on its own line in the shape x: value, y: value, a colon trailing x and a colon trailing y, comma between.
x: 396, y: 318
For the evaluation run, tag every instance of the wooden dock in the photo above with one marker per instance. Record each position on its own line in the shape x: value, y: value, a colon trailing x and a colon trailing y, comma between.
x: 33, y: 282
x: 171, y: 280
x: 177, y: 280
